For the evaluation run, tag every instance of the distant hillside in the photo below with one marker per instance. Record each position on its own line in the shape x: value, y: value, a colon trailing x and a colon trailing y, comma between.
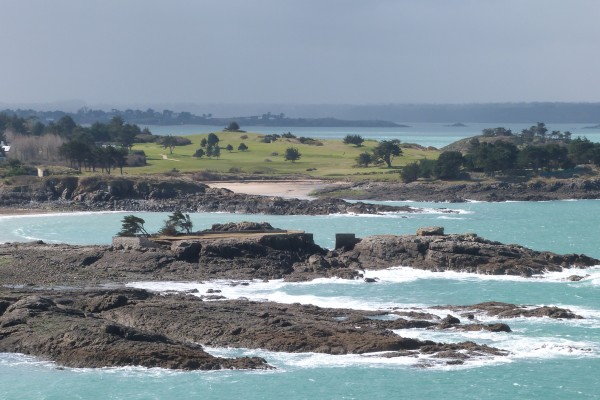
x: 535, y: 135
x: 168, y: 117
x: 464, y: 145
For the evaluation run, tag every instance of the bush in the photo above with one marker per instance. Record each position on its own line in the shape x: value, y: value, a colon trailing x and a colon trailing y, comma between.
x: 364, y: 159
x: 448, y: 165
x: 292, y: 154
x: 199, y: 153
x: 270, y: 138
x: 309, y: 141
x: 410, y: 172
x: 356, y: 140
x: 233, y: 127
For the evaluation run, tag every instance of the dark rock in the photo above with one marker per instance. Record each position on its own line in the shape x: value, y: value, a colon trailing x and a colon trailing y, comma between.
x: 431, y: 231
x: 506, y: 310
x: 186, y: 250
x: 572, y: 188
x: 242, y: 226
x: 37, y: 326
x: 450, y: 320
x: 463, y: 253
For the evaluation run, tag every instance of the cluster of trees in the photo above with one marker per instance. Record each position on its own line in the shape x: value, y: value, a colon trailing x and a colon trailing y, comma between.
x: 209, y: 147
x: 80, y: 154
x: 503, y: 156
x: 506, y: 158
x: 535, y: 133
x: 86, y: 146
x: 115, y: 131
x: 176, y: 224
x: 32, y: 141
x: 383, y: 152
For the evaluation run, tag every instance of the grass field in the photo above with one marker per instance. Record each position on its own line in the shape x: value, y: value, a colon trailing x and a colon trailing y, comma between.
x: 333, y: 159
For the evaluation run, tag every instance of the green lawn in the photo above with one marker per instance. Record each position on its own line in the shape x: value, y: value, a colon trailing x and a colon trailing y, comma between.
x: 332, y: 160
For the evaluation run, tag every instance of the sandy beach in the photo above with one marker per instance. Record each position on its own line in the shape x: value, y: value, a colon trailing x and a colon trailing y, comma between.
x: 299, y: 189
x: 7, y: 211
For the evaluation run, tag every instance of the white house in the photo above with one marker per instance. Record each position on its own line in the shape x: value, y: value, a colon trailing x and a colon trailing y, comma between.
x: 5, y: 149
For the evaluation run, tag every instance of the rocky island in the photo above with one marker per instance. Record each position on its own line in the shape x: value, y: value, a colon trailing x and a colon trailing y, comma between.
x: 55, y: 303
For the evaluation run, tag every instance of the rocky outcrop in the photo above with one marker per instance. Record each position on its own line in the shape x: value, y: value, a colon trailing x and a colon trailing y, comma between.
x: 271, y: 255
x: 506, y: 310
x: 462, y: 253
x: 135, y: 327
x: 243, y: 226
x: 53, y: 329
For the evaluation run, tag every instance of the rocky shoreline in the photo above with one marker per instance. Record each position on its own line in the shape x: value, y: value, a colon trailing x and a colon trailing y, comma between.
x: 144, y: 194
x: 542, y: 190
x: 53, y: 304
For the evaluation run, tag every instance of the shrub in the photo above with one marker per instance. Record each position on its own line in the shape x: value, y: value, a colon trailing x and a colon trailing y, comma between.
x: 410, y: 172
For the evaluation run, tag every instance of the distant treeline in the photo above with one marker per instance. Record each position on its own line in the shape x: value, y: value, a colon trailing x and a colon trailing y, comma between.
x: 86, y: 116
x: 100, y: 145
x: 480, y: 113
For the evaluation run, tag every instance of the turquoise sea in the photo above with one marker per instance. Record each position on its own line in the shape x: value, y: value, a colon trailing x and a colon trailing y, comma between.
x: 425, y: 134
x: 549, y: 359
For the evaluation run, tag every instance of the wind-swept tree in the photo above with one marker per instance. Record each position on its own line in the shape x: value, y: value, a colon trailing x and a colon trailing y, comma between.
x: 176, y: 223
x: 132, y: 226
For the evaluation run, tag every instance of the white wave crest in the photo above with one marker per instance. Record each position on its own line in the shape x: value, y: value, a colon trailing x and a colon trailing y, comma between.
x: 519, y: 345
x: 287, y: 361
x: 407, y: 274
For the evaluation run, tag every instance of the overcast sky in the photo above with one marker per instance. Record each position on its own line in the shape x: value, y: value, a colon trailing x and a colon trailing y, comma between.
x: 130, y: 52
